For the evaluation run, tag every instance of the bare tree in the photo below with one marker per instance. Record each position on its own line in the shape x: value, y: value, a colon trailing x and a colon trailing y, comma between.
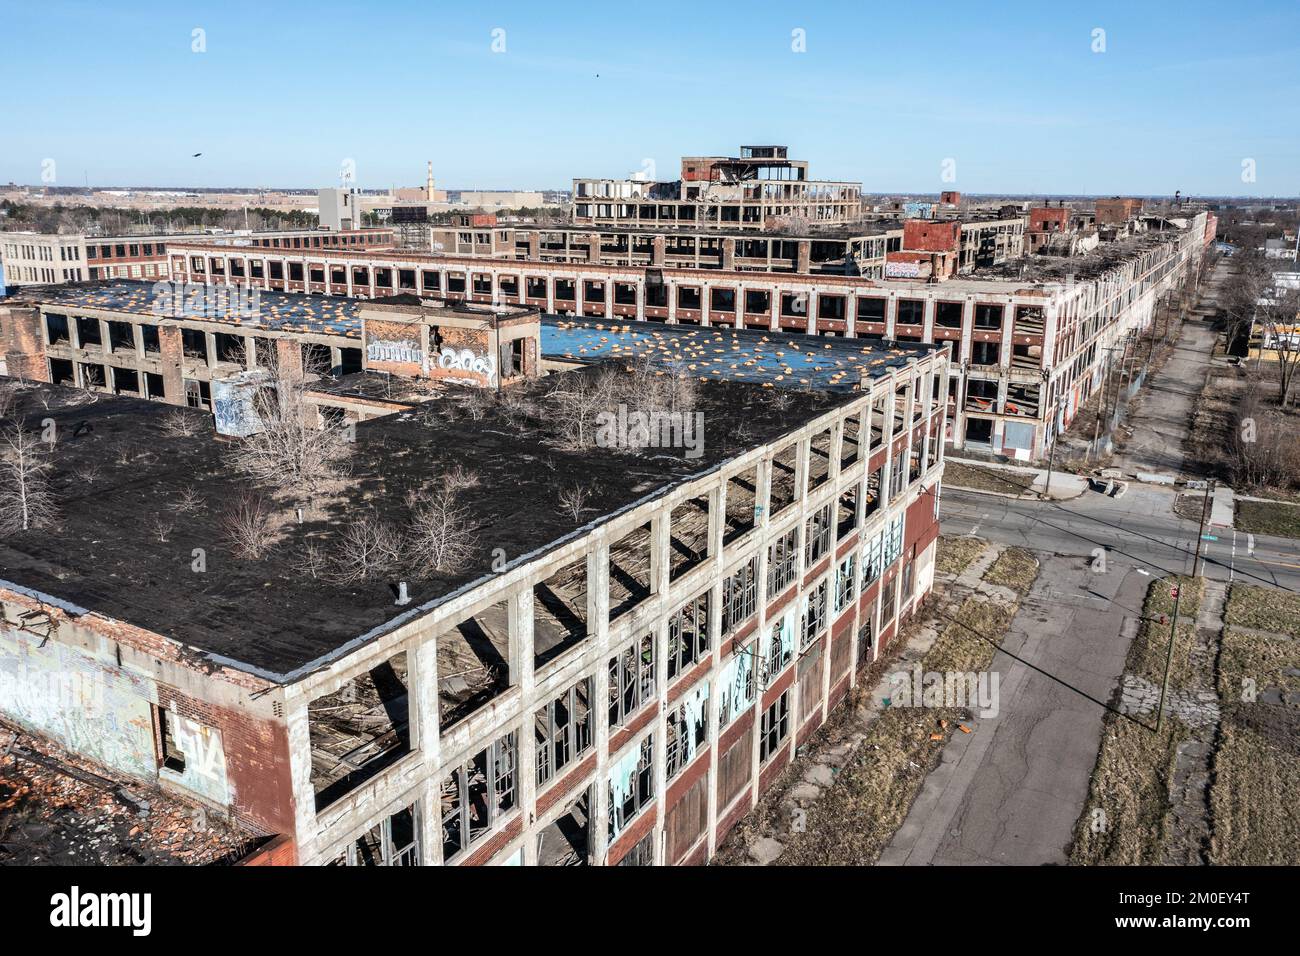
x: 1278, y: 318
x: 180, y: 424
x: 247, y: 525
x: 459, y: 478
x: 573, y: 500
x: 1262, y: 451
x: 439, y: 537
x: 26, y: 501
x: 293, y: 450
x: 579, y: 398
x: 369, y: 548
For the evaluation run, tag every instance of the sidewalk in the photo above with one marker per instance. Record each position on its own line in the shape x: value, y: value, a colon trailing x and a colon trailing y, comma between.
x: 1065, y: 485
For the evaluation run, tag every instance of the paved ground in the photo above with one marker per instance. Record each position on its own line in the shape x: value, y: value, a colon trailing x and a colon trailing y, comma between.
x: 1162, y: 411
x: 1010, y: 792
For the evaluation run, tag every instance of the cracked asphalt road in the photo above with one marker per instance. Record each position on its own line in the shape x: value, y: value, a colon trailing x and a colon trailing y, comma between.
x: 1010, y: 792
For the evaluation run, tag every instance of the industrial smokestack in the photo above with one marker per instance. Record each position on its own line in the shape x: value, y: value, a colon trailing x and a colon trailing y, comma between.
x: 428, y: 189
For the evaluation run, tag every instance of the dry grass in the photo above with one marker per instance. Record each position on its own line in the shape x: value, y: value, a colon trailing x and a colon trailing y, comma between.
x: 999, y: 480
x: 1265, y: 609
x: 856, y: 818
x: 1256, y: 818
x: 956, y: 552
x: 1264, y: 517
x: 1130, y: 786
x: 1015, y: 568
x: 1130, y: 781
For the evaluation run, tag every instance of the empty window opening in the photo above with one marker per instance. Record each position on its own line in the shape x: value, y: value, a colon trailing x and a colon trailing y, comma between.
x: 230, y: 348
x: 61, y: 372
x: 56, y: 329
x: 194, y: 344
x: 819, y: 459
x: 88, y: 334
x: 688, y: 536
x: 560, y: 611
x: 359, y: 730
x: 784, y: 473
x: 171, y: 756
x: 473, y: 663
x: 629, y: 571
x: 851, y: 442
x: 121, y: 337
x: 742, y: 505
x: 818, y: 535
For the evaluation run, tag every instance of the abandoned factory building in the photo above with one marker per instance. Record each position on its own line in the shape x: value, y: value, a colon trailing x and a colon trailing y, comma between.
x: 598, y: 653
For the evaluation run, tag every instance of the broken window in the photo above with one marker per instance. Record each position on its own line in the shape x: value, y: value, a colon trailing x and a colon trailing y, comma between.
x: 815, y: 617
x: 688, y: 634
x: 560, y: 611
x: 782, y: 561
x: 473, y: 663
x: 149, y: 335
x: 62, y: 373
x: 810, y: 684
x: 126, y: 381
x: 476, y: 795
x: 631, y: 785
x: 818, y: 535
x: 688, y: 536
x: 631, y: 679
x: 359, y: 730
x: 566, y: 842
x: 988, y: 317
x: 740, y: 596
x: 563, y: 729
x: 774, y: 728
x: 757, y: 302
x: 687, y: 729
x: 910, y: 312
x: 846, y: 582
x: 393, y: 841
x: 871, y: 309
x: 629, y: 571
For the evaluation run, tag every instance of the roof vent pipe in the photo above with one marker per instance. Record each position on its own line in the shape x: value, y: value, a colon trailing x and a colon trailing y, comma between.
x: 402, y: 596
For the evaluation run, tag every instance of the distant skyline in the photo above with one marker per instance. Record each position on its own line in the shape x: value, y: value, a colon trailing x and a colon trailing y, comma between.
x: 1016, y: 97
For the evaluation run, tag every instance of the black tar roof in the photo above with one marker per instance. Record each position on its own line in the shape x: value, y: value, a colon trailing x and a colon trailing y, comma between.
x: 124, y: 543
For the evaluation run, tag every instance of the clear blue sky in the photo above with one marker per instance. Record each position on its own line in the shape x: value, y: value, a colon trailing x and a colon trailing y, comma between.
x: 1011, y: 91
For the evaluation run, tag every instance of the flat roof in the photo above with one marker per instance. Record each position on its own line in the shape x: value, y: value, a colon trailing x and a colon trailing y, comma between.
x: 277, y: 311
x: 136, y: 498
x: 722, y: 353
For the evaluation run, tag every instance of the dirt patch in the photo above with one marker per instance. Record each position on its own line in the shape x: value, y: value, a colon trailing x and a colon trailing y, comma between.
x: 998, y: 480
x: 1256, y: 819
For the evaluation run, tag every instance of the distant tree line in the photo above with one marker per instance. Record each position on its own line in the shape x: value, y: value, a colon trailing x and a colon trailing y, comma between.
x: 112, y: 220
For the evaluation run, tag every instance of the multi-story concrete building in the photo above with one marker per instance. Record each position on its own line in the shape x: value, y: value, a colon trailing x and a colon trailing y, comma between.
x: 31, y: 258
x: 1031, y: 336
x: 612, y: 683
x: 762, y: 188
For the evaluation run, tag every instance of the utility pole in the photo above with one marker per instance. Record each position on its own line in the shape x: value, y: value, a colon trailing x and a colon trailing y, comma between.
x: 1169, y: 656
x: 1200, y: 531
